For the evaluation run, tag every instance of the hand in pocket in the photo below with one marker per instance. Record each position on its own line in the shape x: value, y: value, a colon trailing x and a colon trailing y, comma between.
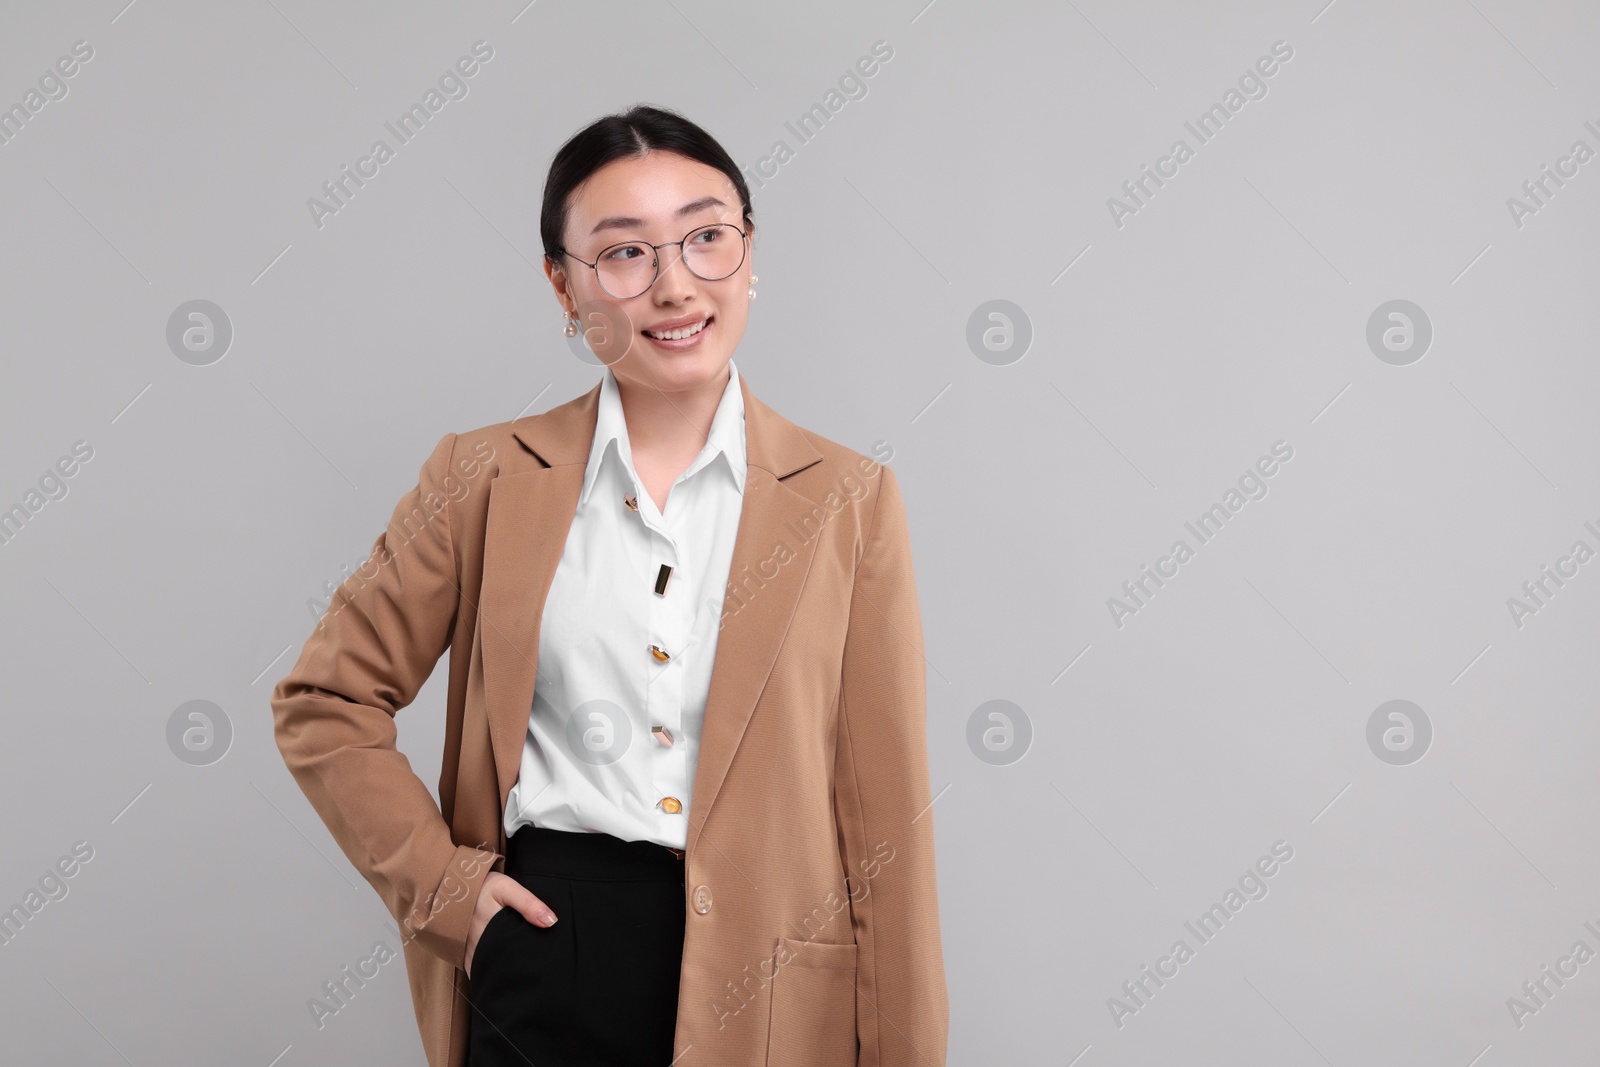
x: 502, y: 891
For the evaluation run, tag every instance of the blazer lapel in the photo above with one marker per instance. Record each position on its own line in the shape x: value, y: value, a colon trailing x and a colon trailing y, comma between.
x: 530, y: 515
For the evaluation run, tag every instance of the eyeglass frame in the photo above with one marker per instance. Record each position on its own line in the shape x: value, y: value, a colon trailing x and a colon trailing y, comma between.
x: 655, y: 251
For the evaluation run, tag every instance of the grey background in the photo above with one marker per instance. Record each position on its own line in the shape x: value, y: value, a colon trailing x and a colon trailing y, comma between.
x: 1229, y: 313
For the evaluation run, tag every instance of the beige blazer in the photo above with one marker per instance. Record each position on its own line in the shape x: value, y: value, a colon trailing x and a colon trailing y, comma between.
x: 812, y: 927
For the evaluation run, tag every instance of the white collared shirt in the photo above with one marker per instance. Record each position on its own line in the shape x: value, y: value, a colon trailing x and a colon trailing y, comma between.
x: 590, y: 761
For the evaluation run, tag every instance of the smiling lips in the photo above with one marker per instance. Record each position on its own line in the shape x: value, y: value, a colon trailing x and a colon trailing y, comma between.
x: 680, y: 332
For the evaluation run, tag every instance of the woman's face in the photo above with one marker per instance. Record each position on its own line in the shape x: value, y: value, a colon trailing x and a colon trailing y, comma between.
x: 657, y: 198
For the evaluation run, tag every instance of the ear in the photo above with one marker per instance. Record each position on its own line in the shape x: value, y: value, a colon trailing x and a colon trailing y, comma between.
x: 558, y: 279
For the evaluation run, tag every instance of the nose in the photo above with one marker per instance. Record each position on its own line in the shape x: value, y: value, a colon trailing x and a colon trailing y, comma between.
x: 676, y: 282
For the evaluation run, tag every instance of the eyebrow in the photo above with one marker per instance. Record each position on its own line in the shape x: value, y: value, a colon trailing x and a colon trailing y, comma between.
x: 622, y: 222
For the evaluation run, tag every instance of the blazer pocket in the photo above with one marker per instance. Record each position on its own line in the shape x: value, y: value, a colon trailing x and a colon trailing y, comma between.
x: 813, y: 1005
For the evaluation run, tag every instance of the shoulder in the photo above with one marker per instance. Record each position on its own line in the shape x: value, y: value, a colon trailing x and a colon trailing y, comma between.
x: 808, y: 462
x: 489, y: 445
x: 858, y: 487
x: 844, y: 470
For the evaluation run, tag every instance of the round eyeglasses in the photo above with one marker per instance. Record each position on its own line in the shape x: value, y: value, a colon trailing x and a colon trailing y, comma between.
x: 630, y: 268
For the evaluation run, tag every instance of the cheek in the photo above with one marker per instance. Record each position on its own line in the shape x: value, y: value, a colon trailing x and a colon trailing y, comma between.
x: 735, y: 310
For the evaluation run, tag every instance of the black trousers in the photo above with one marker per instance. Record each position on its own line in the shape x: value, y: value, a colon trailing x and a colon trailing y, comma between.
x: 600, y: 987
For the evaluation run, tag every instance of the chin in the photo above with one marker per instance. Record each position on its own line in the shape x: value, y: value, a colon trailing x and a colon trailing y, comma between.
x: 672, y: 374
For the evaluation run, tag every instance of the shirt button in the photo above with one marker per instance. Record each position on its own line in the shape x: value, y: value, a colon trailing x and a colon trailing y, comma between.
x: 671, y: 805
x: 659, y: 653
x: 662, y: 735
x: 632, y: 502
x: 702, y: 899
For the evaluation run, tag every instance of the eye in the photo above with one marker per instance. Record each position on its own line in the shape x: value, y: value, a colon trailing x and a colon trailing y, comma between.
x: 709, y: 237
x: 624, y: 254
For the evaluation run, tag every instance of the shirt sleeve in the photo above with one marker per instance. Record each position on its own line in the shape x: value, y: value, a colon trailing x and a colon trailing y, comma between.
x: 883, y: 804
x: 333, y: 716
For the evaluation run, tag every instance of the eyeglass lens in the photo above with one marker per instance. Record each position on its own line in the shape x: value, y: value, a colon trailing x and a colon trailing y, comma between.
x: 712, y: 252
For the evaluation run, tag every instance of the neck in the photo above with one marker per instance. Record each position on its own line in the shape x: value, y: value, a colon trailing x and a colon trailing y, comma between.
x: 669, y: 422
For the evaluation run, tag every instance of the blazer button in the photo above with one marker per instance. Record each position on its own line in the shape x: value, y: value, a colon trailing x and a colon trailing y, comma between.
x: 702, y: 899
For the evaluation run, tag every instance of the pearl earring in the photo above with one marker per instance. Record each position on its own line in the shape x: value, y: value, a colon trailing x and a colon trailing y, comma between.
x: 571, y: 329
x: 753, y: 280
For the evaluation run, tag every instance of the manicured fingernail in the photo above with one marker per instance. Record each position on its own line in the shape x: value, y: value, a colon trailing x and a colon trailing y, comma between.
x: 549, y: 919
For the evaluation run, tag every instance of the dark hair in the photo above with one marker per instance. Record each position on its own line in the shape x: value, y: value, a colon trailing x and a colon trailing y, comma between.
x: 634, y: 132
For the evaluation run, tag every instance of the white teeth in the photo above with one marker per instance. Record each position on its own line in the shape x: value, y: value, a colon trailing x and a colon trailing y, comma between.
x: 680, y: 334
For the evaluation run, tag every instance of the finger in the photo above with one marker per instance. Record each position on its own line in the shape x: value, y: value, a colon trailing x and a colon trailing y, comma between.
x: 535, y: 910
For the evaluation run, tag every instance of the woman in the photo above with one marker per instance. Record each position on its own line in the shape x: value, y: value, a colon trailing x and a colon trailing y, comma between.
x: 684, y: 815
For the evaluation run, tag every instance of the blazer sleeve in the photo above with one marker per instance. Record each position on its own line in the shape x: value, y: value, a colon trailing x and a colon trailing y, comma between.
x: 333, y: 715
x: 882, y: 800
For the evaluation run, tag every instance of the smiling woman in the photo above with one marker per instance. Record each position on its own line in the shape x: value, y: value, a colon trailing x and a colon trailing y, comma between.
x: 687, y: 687
x: 660, y: 240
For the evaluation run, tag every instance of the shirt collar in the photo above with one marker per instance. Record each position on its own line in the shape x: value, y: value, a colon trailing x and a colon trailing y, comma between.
x: 727, y: 436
